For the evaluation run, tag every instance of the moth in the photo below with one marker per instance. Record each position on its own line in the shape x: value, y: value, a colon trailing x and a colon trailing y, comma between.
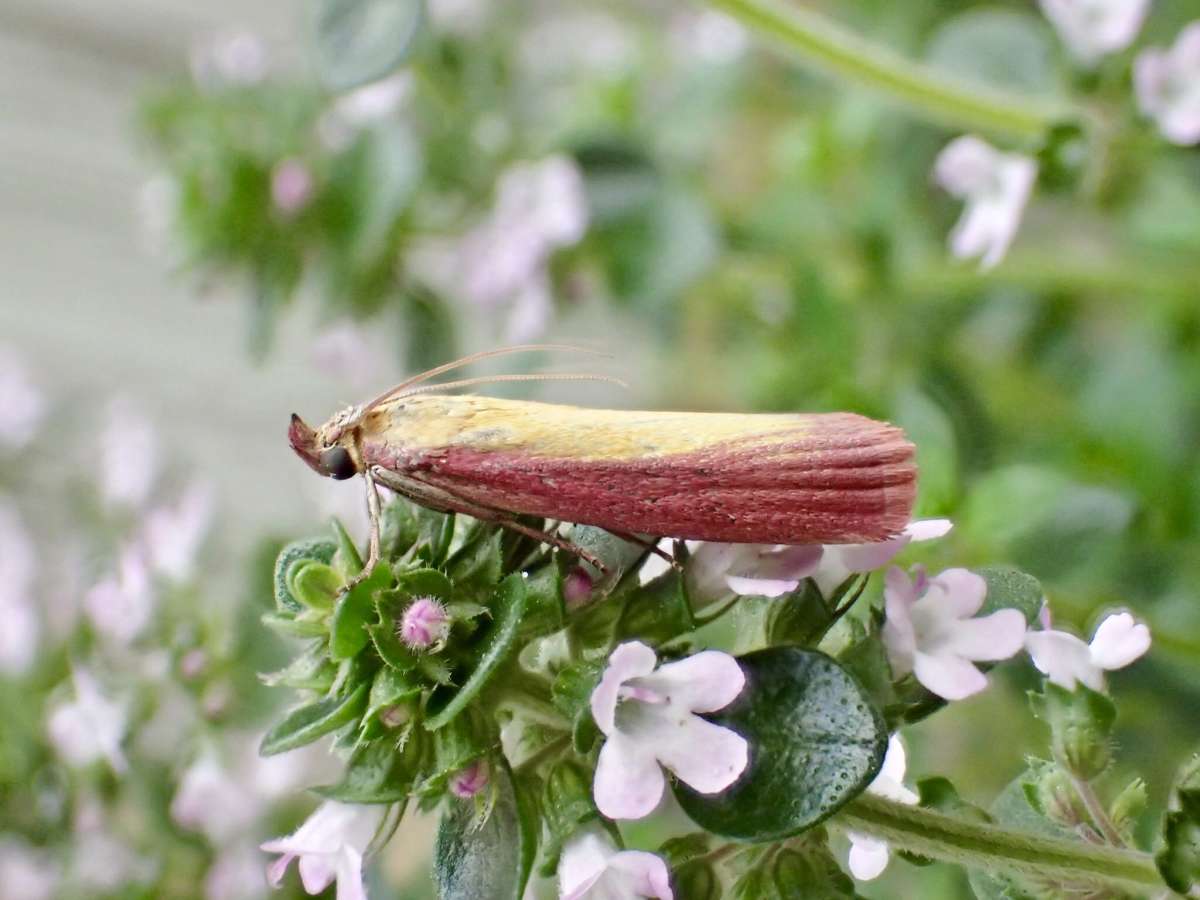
x: 796, y: 478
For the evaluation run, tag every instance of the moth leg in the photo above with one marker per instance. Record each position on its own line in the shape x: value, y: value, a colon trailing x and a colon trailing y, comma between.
x: 438, y: 498
x: 374, y: 516
x: 651, y: 545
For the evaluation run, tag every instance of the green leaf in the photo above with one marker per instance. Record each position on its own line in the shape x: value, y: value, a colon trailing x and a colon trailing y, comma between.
x: 1009, y: 588
x: 435, y: 531
x: 290, y: 627
x: 306, y: 724
x: 1004, y: 48
x: 660, y: 611
x: 544, y: 609
x: 380, y: 771
x: 499, y: 640
x: 358, y: 41
x: 816, y: 742
x: 477, y: 566
x: 311, y: 671
x: 491, y: 861
x: 388, y: 688
x: 347, y: 558
x: 348, y: 630
x: 314, y: 584
x: 398, y: 528
x: 1178, y: 859
x: 800, y: 618
x: 318, y: 549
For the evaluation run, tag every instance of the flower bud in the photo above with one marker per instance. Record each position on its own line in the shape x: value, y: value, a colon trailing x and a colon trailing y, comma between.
x: 291, y: 186
x: 1128, y: 804
x: 577, y: 588
x: 395, y: 715
x: 1081, y: 724
x: 468, y: 782
x: 1054, y: 797
x: 425, y: 624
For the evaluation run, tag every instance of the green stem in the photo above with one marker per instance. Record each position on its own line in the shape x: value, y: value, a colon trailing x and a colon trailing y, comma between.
x: 1096, y: 810
x: 942, y: 96
x: 996, y: 848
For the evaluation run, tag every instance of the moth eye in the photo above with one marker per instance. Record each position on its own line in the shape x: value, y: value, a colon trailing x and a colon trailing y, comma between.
x: 336, y: 463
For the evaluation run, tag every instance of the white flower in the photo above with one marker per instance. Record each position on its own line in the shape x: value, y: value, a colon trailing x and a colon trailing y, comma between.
x: 995, y: 186
x: 647, y: 716
x: 592, y: 868
x: 330, y: 844
x: 18, y: 612
x: 90, y: 727
x: 540, y: 207
x: 363, y: 108
x: 173, y: 535
x: 236, y: 874
x: 930, y: 630
x: 128, y: 456
x: 707, y: 36
x: 1093, y: 28
x: 869, y: 855
x: 210, y: 800
x: 230, y: 59
x: 1168, y: 86
x: 120, y: 605
x: 772, y: 570
x: 22, y: 406
x: 26, y: 872
x: 1066, y: 660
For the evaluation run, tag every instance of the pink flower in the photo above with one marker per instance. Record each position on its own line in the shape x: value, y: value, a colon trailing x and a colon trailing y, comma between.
x: 772, y: 570
x: 212, y: 800
x: 591, y: 868
x: 291, y: 186
x: 90, y: 727
x: 1094, y: 28
x: 930, y: 630
x: 173, y: 535
x: 1168, y: 86
x: 1066, y: 660
x: 128, y: 456
x: 22, y: 406
x: 995, y: 186
x: 425, y: 624
x: 648, y: 716
x: 120, y: 606
x: 869, y: 855
x: 330, y: 844
x: 471, y: 780
x: 540, y: 207
x: 26, y: 872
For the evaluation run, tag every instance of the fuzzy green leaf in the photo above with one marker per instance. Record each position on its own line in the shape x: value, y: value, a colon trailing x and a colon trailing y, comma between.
x: 358, y: 41
x: 355, y: 607
x: 318, y: 549
x: 498, y: 642
x: 816, y: 741
x: 491, y: 861
x: 380, y: 771
x: 306, y: 724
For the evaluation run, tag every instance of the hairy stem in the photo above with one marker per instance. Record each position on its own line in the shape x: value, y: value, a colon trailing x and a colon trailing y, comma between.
x: 942, y: 96
x: 1096, y: 811
x: 996, y: 848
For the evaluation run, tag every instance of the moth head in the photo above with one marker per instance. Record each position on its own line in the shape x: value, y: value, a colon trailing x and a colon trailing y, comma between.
x: 324, y: 450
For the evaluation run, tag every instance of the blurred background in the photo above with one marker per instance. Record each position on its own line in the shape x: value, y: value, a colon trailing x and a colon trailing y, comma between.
x: 216, y: 215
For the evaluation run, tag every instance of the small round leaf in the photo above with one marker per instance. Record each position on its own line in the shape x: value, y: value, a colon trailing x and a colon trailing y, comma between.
x: 363, y: 40
x: 816, y: 742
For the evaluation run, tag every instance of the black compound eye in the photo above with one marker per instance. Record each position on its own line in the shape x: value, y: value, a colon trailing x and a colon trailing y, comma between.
x: 336, y: 463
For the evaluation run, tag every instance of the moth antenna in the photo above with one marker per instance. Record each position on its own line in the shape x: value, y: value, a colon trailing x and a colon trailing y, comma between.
x: 466, y: 361
x: 494, y: 379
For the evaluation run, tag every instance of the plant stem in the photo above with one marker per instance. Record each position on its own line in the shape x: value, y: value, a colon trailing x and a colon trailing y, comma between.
x: 1096, y: 810
x: 996, y: 848
x: 942, y: 96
